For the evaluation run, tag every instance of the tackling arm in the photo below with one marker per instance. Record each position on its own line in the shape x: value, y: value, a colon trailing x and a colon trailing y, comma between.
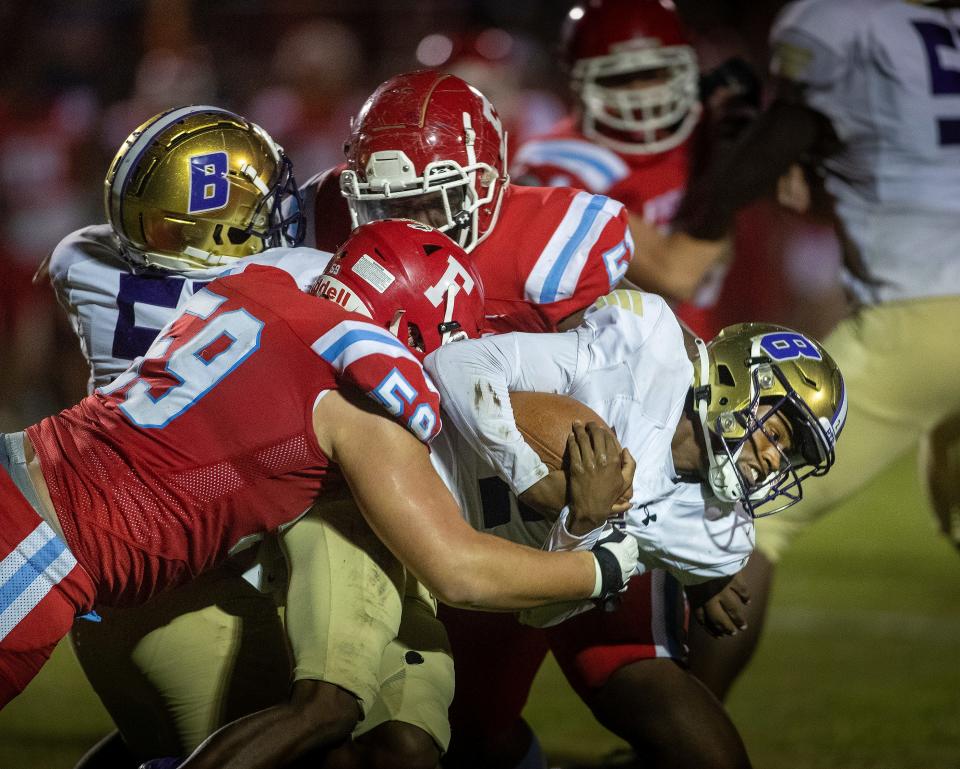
x: 410, y: 509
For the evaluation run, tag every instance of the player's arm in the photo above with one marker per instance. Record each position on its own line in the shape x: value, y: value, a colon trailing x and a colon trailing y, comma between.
x: 671, y: 264
x: 779, y: 137
x: 475, y: 378
x: 410, y: 509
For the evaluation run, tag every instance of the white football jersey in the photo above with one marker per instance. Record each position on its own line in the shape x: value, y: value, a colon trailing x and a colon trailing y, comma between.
x: 887, y: 75
x: 628, y: 363
x: 117, y: 310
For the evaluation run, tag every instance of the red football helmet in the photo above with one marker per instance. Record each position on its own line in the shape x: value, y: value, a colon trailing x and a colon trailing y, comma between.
x: 612, y: 47
x: 430, y: 147
x: 409, y: 278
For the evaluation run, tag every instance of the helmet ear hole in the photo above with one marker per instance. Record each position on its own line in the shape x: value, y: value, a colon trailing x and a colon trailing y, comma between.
x: 724, y: 375
x: 237, y: 236
x: 431, y: 248
x: 414, y: 337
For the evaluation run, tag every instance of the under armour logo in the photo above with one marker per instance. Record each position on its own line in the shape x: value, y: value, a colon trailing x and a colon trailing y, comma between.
x: 647, y: 516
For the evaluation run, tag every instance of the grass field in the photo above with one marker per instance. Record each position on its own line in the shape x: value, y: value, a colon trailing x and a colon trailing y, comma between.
x: 859, y: 669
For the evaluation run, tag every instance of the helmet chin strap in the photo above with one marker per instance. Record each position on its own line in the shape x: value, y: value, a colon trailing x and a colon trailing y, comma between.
x: 721, y: 474
x: 394, y: 327
x: 455, y: 334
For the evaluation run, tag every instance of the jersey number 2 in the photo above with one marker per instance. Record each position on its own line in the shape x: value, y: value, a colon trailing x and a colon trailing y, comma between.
x: 215, y: 349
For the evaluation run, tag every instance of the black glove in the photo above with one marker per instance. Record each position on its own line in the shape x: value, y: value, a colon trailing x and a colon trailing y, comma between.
x: 616, y: 555
x: 736, y: 75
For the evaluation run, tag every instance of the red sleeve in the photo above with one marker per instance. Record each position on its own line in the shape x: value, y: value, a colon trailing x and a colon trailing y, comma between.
x: 372, y: 360
x: 605, y: 265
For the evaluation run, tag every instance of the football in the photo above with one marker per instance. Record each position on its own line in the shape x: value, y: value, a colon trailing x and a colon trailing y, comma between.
x: 546, y: 419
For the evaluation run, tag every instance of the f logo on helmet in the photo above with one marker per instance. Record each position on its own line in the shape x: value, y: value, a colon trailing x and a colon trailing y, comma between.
x: 209, y: 188
x: 449, y: 280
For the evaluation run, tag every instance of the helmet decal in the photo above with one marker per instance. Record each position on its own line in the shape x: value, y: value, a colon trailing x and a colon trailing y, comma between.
x: 788, y: 345
x: 196, y: 187
x: 373, y: 273
x: 209, y: 188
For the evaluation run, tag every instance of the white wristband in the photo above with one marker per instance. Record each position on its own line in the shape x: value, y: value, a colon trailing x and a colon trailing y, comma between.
x: 598, y: 584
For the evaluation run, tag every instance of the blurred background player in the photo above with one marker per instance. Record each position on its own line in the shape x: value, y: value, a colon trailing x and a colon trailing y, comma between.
x: 729, y: 435
x: 868, y: 99
x: 631, y: 136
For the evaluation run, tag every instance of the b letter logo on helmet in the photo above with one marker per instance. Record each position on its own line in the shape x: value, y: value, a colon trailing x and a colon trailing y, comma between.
x: 788, y: 345
x: 209, y: 188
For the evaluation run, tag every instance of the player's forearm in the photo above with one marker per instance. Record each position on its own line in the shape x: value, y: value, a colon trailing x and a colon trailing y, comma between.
x: 495, y: 574
x: 674, y: 265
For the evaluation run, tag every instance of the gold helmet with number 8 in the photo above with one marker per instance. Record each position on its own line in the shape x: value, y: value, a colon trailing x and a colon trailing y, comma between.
x: 752, y: 364
x: 200, y: 186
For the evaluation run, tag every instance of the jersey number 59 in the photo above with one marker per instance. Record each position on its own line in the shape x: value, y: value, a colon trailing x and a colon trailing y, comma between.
x: 197, y: 365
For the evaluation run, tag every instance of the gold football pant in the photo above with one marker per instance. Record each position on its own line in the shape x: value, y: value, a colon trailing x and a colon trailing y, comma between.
x: 176, y: 669
x: 900, y: 365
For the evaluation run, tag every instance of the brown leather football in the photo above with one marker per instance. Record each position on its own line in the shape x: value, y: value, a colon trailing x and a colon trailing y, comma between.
x: 546, y: 419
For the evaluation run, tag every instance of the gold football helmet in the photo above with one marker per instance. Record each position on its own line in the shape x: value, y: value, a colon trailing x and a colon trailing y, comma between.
x: 199, y: 186
x: 750, y: 364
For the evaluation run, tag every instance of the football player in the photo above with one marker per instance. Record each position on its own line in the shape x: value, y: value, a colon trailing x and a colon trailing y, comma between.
x: 121, y: 282
x: 720, y: 440
x: 635, y: 81
x: 214, y: 650
x: 429, y: 146
x: 138, y: 488
x: 869, y: 93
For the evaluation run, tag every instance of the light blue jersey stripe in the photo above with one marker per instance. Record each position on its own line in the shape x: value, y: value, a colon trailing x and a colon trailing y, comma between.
x: 577, y: 161
x: 357, y: 336
x: 552, y: 283
x: 32, y: 568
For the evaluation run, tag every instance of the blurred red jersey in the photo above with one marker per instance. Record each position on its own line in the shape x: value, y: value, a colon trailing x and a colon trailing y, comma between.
x: 210, y: 439
x: 650, y: 186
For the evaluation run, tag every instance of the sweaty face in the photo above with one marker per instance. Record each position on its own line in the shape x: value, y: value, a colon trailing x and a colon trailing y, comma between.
x: 767, y: 449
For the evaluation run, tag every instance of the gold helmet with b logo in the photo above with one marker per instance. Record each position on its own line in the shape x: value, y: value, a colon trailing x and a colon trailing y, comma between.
x: 752, y: 364
x: 198, y: 187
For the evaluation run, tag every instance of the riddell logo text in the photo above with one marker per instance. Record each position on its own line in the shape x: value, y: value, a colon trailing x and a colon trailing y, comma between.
x: 339, y: 294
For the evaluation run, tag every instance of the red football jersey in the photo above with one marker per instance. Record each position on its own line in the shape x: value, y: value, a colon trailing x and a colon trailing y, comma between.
x: 326, y: 211
x: 552, y: 251
x: 650, y: 186
x: 210, y: 439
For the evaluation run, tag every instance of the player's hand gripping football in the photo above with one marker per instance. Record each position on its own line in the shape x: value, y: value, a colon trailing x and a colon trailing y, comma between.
x: 600, y: 477
x: 720, y: 605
